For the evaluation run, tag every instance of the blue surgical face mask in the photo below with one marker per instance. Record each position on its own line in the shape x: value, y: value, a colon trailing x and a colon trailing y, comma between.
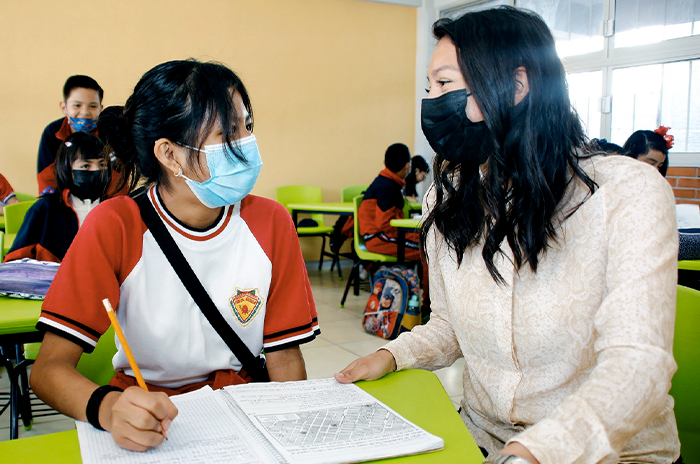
x: 230, y: 179
x: 82, y: 124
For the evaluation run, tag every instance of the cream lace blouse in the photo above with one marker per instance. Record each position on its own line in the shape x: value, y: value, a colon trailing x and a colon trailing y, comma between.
x: 574, y: 361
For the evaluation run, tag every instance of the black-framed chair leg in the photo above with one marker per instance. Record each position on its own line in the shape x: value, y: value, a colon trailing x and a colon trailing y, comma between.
x: 323, y: 249
x: 25, y: 402
x: 354, y: 277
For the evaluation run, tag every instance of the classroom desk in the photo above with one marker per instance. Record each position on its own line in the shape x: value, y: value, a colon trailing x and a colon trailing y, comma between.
x: 18, y: 319
x: 338, y: 209
x: 404, y: 226
x: 2, y: 222
x: 417, y: 395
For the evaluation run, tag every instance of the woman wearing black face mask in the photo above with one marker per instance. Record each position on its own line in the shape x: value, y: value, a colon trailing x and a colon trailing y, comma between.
x: 552, y: 270
x: 52, y: 222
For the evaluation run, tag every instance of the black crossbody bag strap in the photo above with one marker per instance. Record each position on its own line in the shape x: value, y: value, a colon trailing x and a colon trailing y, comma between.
x: 252, y: 364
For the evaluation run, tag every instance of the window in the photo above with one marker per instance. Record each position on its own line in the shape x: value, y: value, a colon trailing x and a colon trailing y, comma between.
x: 639, y: 22
x: 585, y: 94
x: 575, y: 24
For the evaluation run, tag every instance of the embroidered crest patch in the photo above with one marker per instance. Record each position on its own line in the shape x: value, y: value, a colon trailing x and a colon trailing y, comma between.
x: 245, y: 304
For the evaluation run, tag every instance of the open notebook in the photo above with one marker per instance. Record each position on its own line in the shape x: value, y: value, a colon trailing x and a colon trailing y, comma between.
x: 310, y: 422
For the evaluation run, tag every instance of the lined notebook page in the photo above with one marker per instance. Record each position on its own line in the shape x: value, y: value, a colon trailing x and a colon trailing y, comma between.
x: 205, y: 431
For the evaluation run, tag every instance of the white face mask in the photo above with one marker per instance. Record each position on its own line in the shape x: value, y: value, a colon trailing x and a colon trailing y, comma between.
x: 230, y: 179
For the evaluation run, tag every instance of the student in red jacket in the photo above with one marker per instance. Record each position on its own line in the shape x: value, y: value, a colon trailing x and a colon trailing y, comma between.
x: 7, y: 194
x: 384, y: 201
x: 52, y: 223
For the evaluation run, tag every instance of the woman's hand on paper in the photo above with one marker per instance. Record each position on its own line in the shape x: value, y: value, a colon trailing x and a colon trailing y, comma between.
x: 370, y: 367
x: 136, y: 418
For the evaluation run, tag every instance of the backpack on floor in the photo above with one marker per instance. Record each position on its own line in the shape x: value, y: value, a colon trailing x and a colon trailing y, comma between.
x: 393, y: 306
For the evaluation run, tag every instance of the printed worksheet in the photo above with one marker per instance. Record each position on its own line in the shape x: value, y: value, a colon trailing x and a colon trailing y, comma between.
x: 307, y: 422
x: 325, y: 422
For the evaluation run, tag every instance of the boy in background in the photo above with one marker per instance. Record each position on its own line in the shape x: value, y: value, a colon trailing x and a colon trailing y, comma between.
x: 384, y: 201
x: 81, y: 105
x: 7, y: 194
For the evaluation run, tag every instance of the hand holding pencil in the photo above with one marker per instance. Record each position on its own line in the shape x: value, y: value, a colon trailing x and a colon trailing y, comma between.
x: 137, y: 413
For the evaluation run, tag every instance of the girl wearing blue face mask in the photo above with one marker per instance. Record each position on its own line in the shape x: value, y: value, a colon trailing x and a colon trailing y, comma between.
x: 185, y: 137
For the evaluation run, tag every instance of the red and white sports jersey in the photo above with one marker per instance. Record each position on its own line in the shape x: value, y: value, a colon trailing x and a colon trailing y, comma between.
x: 248, y: 261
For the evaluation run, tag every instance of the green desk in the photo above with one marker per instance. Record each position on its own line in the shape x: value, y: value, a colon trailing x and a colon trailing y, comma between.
x: 2, y: 222
x: 17, y: 320
x: 689, y: 265
x: 404, y: 226
x: 338, y: 209
x: 417, y: 395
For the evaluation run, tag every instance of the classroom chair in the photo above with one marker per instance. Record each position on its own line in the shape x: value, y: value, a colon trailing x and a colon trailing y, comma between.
x: 351, y: 191
x: 308, y: 194
x: 686, y: 381
x: 362, y: 254
x: 24, y: 196
x: 14, y: 215
x: 96, y: 366
x: 2, y: 245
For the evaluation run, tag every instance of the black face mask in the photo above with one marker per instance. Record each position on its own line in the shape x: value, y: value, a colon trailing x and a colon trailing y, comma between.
x: 449, y: 131
x: 89, y: 185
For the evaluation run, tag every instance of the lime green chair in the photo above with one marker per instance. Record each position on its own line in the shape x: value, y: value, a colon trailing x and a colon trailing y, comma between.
x: 14, y: 215
x: 24, y: 196
x: 307, y: 194
x: 2, y: 245
x: 686, y: 383
x: 351, y: 191
x: 363, y: 255
x: 96, y: 366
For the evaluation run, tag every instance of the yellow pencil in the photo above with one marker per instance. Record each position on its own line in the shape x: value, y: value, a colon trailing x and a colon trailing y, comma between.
x: 125, y: 345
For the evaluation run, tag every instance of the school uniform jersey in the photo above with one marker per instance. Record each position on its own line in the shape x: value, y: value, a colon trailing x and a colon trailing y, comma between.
x: 248, y: 261
x: 6, y: 190
x: 382, y: 202
x: 47, y: 231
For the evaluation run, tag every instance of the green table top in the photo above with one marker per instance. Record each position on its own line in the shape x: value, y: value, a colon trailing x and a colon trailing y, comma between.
x: 322, y: 207
x: 18, y: 316
x: 406, y: 223
x: 689, y: 265
x: 417, y: 395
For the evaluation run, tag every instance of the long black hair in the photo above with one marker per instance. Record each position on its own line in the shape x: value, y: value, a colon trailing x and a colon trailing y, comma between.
x: 531, y: 158
x: 77, y: 146
x: 177, y: 100
x: 642, y: 141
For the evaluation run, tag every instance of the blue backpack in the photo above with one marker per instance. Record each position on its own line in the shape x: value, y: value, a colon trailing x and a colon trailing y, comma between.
x: 393, y: 306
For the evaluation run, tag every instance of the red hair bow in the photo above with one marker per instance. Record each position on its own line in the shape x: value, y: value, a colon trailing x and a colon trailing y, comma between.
x: 663, y: 132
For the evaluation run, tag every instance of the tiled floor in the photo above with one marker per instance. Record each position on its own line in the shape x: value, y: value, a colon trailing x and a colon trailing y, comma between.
x: 342, y: 340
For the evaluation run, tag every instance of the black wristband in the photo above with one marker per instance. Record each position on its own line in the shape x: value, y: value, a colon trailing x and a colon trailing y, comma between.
x: 92, y: 411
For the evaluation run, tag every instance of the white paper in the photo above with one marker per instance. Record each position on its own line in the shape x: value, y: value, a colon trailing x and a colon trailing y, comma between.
x: 688, y: 216
x: 307, y: 422
x: 205, y: 431
x: 325, y: 422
